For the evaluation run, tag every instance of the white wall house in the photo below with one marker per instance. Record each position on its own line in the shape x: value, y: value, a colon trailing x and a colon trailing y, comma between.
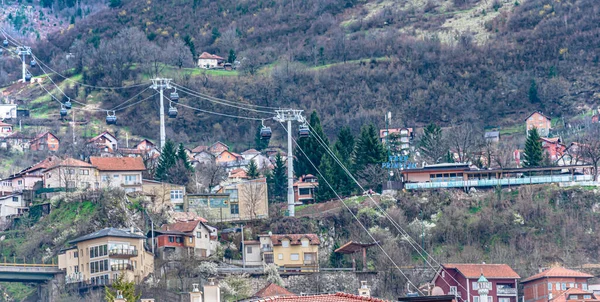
x: 208, y: 61
x: 8, y: 111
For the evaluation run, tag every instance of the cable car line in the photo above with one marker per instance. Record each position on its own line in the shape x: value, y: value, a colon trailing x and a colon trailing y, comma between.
x: 217, y: 113
x: 218, y: 101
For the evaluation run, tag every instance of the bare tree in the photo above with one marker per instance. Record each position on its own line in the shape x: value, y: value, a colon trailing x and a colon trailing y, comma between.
x: 253, y: 195
x: 466, y: 141
x: 589, y: 147
x: 503, y: 155
x: 209, y: 175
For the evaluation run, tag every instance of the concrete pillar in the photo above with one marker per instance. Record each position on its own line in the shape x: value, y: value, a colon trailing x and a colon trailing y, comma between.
x: 212, y: 292
x: 195, y: 294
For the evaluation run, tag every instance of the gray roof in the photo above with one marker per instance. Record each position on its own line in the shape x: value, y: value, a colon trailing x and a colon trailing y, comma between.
x: 491, y: 134
x: 108, y: 232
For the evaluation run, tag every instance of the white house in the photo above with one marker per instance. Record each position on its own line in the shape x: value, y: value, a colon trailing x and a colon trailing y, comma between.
x: 11, y: 205
x: 208, y: 61
x: 8, y: 111
x: 5, y: 129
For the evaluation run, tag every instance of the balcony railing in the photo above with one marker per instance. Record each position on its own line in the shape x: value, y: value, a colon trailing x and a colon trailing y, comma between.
x: 499, y: 182
x: 121, y: 267
x: 506, y: 291
x: 123, y: 253
x: 266, y: 249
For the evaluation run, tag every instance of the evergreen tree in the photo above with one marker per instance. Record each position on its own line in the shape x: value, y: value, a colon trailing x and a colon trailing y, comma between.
x: 183, y: 158
x: 259, y: 143
x: 252, y: 170
x: 232, y: 57
x: 167, y: 159
x: 432, y: 144
x: 345, y: 143
x: 369, y: 150
x: 277, y: 180
x: 313, y: 149
x: 327, y: 168
x: 533, y: 93
x: 127, y: 289
x: 533, y: 155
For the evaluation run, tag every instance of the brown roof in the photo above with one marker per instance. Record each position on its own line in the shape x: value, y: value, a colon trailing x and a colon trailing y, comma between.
x: 337, y: 297
x: 44, y: 134
x: 44, y: 164
x: 295, y: 239
x: 272, y: 290
x: 71, y: 162
x: 251, y: 242
x: 238, y: 173
x: 557, y: 272
x: 4, y: 124
x: 105, y: 133
x: 564, y: 296
x: 353, y: 247
x: 182, y: 226
x: 206, y: 55
x: 199, y: 149
x: 539, y: 113
x: 490, y: 271
x: 118, y: 163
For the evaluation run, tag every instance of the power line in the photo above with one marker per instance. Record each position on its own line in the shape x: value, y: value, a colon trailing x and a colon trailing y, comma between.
x: 215, y: 113
x: 354, y: 215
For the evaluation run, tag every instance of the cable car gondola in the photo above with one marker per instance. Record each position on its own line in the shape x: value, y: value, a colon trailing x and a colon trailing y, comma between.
x: 111, y: 119
x: 33, y: 63
x: 68, y: 104
x: 63, y: 111
x: 172, y: 112
x: 303, y: 131
x: 28, y: 77
x: 5, y: 43
x: 265, y: 133
x: 175, y: 96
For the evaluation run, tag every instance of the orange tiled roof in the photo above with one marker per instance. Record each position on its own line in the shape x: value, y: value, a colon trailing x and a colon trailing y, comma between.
x: 272, y: 290
x: 295, y: 238
x: 44, y: 134
x: 199, y: 149
x: 118, y: 163
x: 182, y: 226
x: 4, y: 124
x: 238, y: 173
x: 100, y: 135
x: 337, y: 297
x: 564, y: 296
x: 44, y: 164
x: 71, y: 162
x: 557, y: 272
x: 206, y: 55
x: 490, y: 271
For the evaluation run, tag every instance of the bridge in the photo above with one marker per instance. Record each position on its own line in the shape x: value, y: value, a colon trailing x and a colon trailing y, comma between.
x: 34, y: 273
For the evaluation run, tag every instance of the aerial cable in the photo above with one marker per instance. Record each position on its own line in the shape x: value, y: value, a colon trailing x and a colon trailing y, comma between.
x: 130, y: 99
x: 215, y: 113
x: 421, y: 251
x: 219, y: 101
x: 203, y: 95
x: 354, y: 215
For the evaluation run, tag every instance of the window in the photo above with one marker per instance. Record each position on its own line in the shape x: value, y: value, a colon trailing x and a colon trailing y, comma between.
x: 304, y: 242
x: 490, y: 299
x: 130, y: 178
x: 75, y: 254
x: 116, y: 176
x: 84, y: 172
x: 20, y: 182
x: 304, y: 191
x: 15, y: 199
x: 179, y: 240
x: 71, y: 184
x: 269, y: 258
x: 176, y: 194
x: 563, y: 286
x: 280, y: 256
x: 549, y: 286
x: 233, y: 195
x: 104, y: 177
x: 587, y: 296
x: 453, y: 290
x: 475, y: 298
x: 475, y: 285
x: 285, y: 243
x: 584, y: 286
x: 571, y: 285
x: 503, y: 299
x: 171, y: 239
x: 98, y: 251
x: 249, y: 250
x: 191, y: 239
x: 198, y: 235
x: 557, y: 286
x: 294, y: 257
x: 235, y: 209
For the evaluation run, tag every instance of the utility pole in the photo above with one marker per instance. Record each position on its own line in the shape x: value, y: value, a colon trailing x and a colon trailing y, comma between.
x: 23, y: 51
x: 289, y: 115
x: 73, y: 128
x: 388, y: 117
x: 161, y: 84
x: 243, y: 248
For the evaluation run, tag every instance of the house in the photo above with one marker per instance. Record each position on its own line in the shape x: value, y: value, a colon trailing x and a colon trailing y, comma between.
x: 539, y: 121
x: 575, y: 295
x: 8, y: 111
x: 11, y: 206
x: 304, y: 189
x: 203, y: 157
x: 239, y: 201
x: 292, y: 252
x: 105, y: 142
x: 252, y: 253
x: 16, y: 140
x: 71, y: 174
x: 400, y: 138
x: 199, y: 149
x: 272, y: 290
x: 250, y: 153
x: 492, y: 136
x: 230, y: 160
x: 5, y: 129
x: 100, y: 257
x: 551, y: 283
x: 208, y: 61
x: 164, y: 195
x: 238, y: 174
x: 45, y: 142
x: 553, y: 148
x: 144, y: 148
x: 461, y: 280
x: 217, y: 148
x: 28, y: 178
x: 120, y: 172
x: 194, y: 237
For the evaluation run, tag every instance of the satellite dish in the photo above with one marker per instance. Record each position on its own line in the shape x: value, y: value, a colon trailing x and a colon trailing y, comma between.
x: 437, y: 291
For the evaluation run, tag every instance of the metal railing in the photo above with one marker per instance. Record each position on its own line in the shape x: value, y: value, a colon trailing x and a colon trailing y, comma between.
x: 121, y: 267
x: 24, y: 262
x: 123, y: 252
x: 506, y: 291
x: 499, y: 182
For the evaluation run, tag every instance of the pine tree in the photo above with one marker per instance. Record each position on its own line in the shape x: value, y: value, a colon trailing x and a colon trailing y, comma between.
x: 345, y: 142
x: 313, y: 148
x: 127, y: 289
x: 533, y: 155
x: 232, y: 57
x: 259, y: 142
x: 369, y: 150
x: 167, y: 159
x: 183, y: 158
x: 432, y: 144
x: 277, y: 180
x: 252, y: 170
x: 328, y: 175
x: 533, y: 93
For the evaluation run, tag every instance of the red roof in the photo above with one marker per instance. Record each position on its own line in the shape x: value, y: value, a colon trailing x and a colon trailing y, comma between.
x: 199, y: 149
x: 295, y: 239
x: 579, y: 293
x: 557, y: 272
x: 206, y: 55
x: 337, y: 297
x: 238, y: 173
x: 44, y: 164
x: 272, y: 290
x: 183, y: 226
x: 71, y: 162
x: 4, y: 124
x: 105, y: 133
x: 118, y: 163
x: 490, y: 271
x: 44, y: 134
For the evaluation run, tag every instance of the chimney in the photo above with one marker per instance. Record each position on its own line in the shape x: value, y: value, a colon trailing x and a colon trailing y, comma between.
x: 195, y: 294
x: 119, y: 297
x: 131, y: 229
x: 364, y: 290
x: 212, y: 292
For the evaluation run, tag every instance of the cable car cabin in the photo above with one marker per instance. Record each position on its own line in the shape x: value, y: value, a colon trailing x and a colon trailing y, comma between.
x: 303, y: 131
x: 33, y: 63
x: 63, y: 112
x: 68, y: 104
x: 174, y: 97
x: 28, y: 77
x: 172, y: 112
x: 111, y: 119
x: 265, y: 133
x: 5, y: 43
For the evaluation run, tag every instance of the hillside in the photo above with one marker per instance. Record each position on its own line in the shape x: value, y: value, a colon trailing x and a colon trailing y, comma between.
x: 292, y: 54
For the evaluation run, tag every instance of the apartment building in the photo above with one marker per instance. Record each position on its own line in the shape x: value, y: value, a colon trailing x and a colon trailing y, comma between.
x: 293, y: 252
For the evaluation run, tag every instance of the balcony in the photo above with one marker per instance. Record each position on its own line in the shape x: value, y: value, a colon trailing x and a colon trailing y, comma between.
x: 122, y: 253
x: 507, y: 291
x: 267, y: 249
x: 121, y: 267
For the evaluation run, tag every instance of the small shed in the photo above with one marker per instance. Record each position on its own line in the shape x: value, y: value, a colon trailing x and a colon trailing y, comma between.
x: 352, y: 248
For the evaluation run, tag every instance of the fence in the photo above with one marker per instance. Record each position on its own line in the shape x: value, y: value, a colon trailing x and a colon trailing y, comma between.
x: 24, y: 262
x: 499, y: 182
